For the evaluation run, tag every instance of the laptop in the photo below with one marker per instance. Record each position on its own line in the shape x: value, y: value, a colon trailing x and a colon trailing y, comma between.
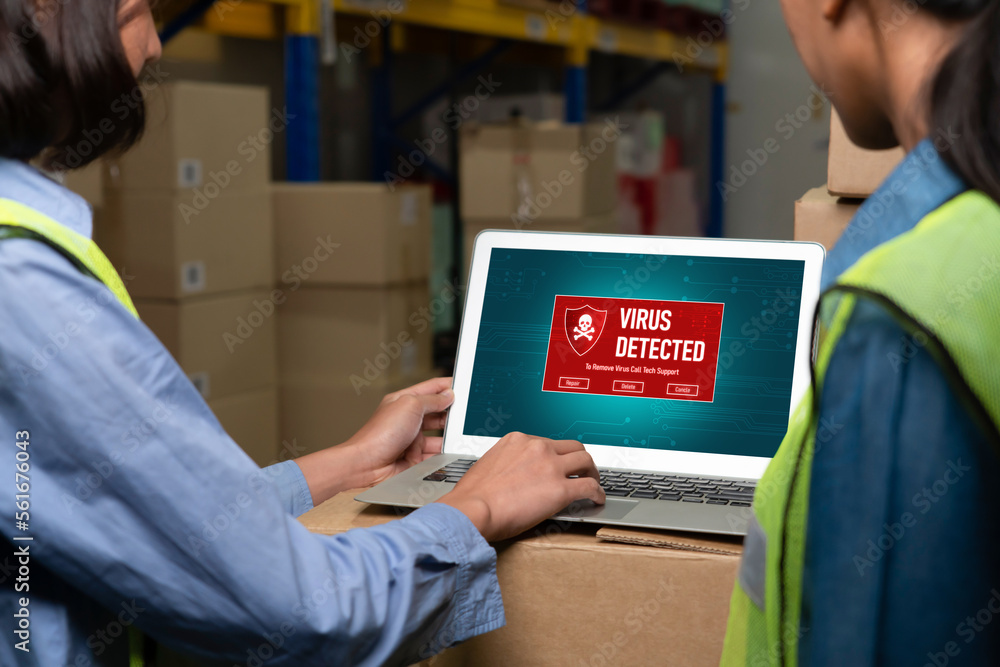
x: 675, y: 361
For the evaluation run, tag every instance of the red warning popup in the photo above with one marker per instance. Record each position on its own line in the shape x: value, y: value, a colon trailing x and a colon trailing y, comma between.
x: 634, y: 347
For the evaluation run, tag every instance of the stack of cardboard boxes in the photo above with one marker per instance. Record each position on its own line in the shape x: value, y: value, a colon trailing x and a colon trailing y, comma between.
x: 187, y: 222
x: 853, y: 173
x: 537, y: 176
x: 356, y: 317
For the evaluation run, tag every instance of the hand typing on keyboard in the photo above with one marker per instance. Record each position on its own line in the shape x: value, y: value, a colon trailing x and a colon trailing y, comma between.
x: 521, y: 481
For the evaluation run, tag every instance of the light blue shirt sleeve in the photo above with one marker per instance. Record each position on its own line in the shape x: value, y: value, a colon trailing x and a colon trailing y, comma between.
x: 139, y: 497
x: 290, y: 483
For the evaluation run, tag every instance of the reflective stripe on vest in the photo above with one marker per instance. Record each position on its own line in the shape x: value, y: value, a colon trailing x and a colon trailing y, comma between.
x: 76, y: 246
x: 941, y: 282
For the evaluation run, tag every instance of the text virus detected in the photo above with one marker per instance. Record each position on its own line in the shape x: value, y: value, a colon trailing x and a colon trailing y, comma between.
x: 633, y: 347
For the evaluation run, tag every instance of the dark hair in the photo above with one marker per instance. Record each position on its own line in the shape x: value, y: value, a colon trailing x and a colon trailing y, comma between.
x: 965, y: 94
x: 62, y: 67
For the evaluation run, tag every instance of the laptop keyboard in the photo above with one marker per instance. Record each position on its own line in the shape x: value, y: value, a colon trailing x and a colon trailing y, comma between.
x: 650, y: 486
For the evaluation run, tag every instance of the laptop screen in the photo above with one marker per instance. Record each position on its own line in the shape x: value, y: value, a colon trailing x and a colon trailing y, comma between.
x: 664, y: 352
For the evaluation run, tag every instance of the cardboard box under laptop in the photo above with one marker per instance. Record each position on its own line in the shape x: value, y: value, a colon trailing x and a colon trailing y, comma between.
x: 251, y: 419
x: 853, y: 171
x: 319, y: 412
x: 822, y: 218
x: 352, y: 233
x: 576, y: 595
x: 338, y: 332
x: 538, y: 171
x: 171, y: 252
x: 225, y: 344
x: 204, y: 138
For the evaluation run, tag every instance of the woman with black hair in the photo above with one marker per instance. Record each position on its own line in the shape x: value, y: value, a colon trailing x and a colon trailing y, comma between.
x: 141, y: 511
x: 877, y: 529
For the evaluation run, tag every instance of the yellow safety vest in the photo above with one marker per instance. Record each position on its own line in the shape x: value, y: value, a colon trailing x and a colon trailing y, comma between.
x: 941, y: 282
x: 20, y: 221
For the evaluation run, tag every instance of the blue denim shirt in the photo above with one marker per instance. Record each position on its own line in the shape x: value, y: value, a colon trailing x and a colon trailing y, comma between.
x: 904, y: 532
x: 143, y: 510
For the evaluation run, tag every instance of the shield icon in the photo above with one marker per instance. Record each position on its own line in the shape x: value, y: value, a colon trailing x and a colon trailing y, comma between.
x: 583, y: 327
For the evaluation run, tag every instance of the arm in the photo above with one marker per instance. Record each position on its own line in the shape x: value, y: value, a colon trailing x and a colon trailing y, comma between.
x: 893, y: 567
x: 137, y: 493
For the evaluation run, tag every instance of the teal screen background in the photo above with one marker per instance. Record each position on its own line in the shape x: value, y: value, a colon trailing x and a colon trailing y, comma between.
x: 749, y: 415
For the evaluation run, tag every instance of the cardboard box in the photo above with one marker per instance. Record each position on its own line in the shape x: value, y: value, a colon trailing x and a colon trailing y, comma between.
x: 318, y: 413
x: 602, y: 224
x: 537, y: 171
x: 225, y: 344
x: 856, y: 172
x: 822, y: 218
x: 201, y: 136
x: 334, y: 333
x: 171, y: 250
x: 574, y: 595
x: 251, y: 419
x: 383, y: 236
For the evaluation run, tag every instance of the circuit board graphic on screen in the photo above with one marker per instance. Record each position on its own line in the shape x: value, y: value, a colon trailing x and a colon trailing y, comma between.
x: 659, y: 351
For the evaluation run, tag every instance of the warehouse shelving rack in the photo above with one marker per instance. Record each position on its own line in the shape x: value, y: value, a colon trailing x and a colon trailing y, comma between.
x: 567, y: 25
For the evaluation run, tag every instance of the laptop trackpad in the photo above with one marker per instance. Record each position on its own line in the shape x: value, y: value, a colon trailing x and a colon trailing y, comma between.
x: 613, y: 510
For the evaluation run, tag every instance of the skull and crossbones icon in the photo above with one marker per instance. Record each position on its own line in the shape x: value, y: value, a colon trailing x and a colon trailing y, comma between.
x: 585, y: 328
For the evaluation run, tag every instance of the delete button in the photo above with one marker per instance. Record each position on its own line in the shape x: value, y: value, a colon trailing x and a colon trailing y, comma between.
x: 628, y: 386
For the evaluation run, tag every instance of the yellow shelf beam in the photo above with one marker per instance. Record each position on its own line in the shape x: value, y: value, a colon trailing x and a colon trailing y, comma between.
x: 653, y: 44
x: 480, y: 18
x: 578, y: 33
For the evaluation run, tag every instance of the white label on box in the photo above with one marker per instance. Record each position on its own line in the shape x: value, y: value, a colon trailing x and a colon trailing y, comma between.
x: 193, y: 276
x: 409, y: 208
x: 534, y: 26
x: 607, y: 40
x: 201, y: 383
x: 408, y: 359
x: 189, y: 173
